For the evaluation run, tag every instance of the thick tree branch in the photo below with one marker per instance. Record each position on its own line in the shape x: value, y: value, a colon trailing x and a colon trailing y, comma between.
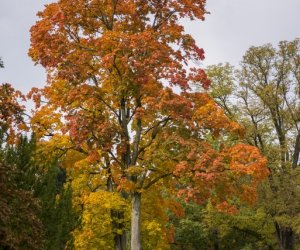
x: 296, y: 151
x: 137, y: 138
x: 153, y: 181
x: 155, y: 129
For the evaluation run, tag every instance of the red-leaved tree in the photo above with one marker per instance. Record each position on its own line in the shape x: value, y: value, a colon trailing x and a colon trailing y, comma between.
x: 112, y: 69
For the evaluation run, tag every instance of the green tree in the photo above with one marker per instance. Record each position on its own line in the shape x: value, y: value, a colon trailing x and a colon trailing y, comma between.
x: 190, y: 230
x: 263, y: 94
x: 57, y: 213
x: 20, y: 227
x: 46, y: 182
x: 31, y: 192
x: 204, y: 227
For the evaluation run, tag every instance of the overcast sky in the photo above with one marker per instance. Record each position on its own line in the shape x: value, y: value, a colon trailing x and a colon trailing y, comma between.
x: 231, y: 28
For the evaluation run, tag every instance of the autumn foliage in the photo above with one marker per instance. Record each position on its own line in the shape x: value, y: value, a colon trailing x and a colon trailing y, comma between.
x: 11, y: 112
x: 20, y: 226
x: 118, y: 93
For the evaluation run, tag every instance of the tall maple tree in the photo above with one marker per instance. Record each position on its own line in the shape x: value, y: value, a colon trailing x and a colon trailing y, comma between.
x: 112, y: 70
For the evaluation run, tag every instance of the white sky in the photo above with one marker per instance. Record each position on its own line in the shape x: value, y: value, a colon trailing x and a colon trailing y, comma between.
x: 231, y: 28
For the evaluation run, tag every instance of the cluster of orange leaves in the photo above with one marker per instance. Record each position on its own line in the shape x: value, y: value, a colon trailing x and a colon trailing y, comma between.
x: 101, y: 55
x: 11, y: 112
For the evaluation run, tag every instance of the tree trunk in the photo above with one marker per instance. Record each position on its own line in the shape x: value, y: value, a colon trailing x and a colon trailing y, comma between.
x: 117, y: 241
x: 296, y: 151
x: 120, y: 241
x: 216, y: 239
x: 285, y: 236
x: 136, y: 222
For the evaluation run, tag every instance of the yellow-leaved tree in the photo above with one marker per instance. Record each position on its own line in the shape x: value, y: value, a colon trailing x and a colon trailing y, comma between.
x: 112, y: 67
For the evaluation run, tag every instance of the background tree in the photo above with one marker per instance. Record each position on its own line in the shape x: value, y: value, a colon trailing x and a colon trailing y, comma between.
x: 20, y: 227
x: 57, y: 212
x: 11, y: 113
x: 41, y: 211
x: 265, y: 97
x: 27, y: 198
x: 112, y: 66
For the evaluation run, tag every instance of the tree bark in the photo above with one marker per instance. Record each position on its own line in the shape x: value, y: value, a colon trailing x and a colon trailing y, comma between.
x: 136, y: 222
x: 117, y: 241
x: 120, y: 240
x: 285, y: 236
x: 296, y: 151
